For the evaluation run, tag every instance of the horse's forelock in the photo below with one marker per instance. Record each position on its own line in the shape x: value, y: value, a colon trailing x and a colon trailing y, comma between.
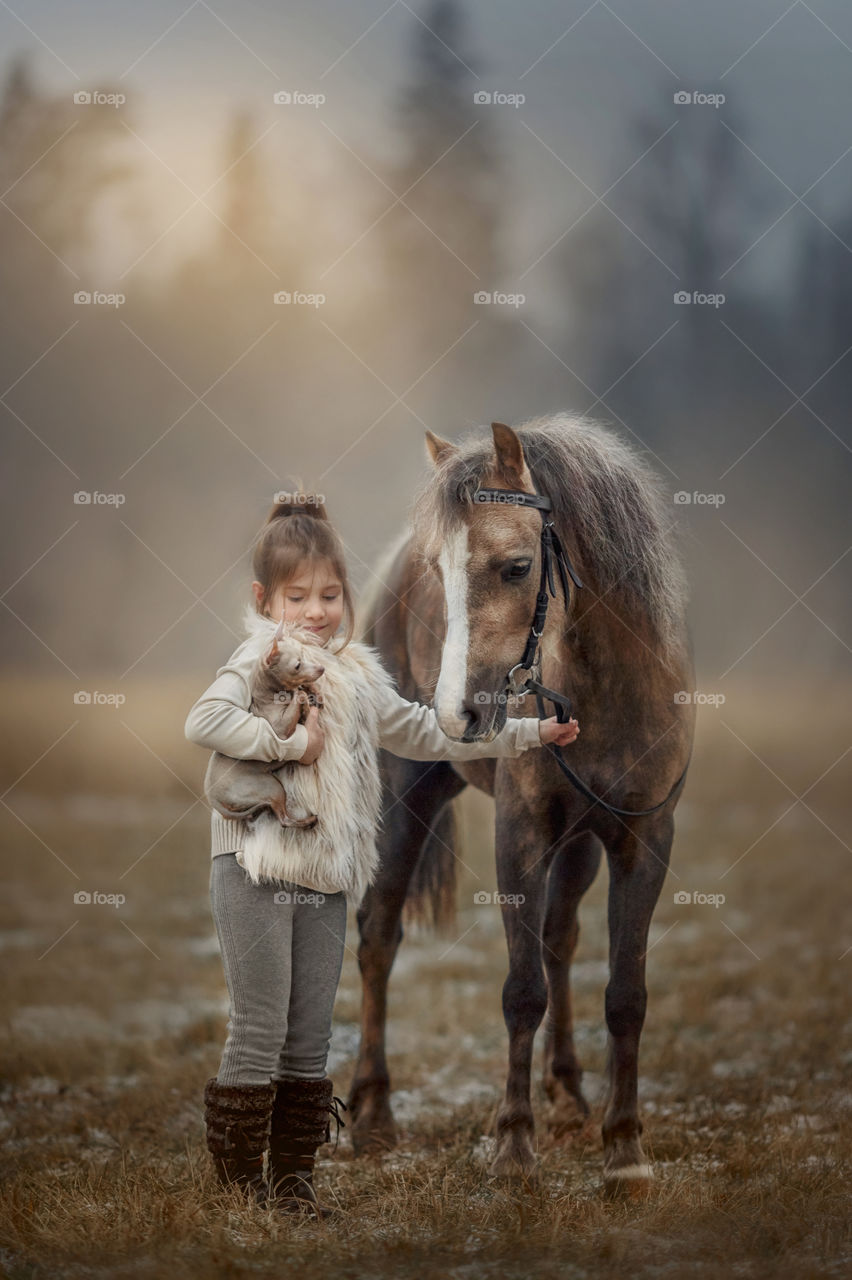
x: 442, y: 503
x: 608, y: 505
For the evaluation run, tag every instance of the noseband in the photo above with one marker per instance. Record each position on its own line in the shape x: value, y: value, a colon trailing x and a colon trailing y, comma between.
x: 552, y: 550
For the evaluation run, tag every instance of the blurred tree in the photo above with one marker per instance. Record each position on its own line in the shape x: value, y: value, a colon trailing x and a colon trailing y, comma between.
x: 57, y: 160
x: 691, y: 205
x: 245, y: 201
x: 441, y: 249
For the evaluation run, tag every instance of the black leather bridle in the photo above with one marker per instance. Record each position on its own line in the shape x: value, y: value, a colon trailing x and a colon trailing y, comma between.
x: 552, y: 550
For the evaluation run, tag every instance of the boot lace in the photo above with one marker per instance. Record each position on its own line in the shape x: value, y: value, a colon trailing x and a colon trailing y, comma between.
x: 336, y: 1116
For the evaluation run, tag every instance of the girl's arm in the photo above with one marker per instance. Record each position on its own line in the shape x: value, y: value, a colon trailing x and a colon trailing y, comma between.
x: 221, y: 721
x: 411, y: 730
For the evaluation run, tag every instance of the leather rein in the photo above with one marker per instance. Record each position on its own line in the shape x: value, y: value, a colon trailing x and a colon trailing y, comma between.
x: 552, y: 550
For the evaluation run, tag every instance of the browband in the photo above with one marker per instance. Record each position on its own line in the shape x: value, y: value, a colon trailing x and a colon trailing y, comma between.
x: 513, y: 498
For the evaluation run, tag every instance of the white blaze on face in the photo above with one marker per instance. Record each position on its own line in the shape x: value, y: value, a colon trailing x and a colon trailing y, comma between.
x: 449, y: 691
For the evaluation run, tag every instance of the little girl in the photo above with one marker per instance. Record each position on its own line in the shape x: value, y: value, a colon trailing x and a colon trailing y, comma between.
x: 282, y: 938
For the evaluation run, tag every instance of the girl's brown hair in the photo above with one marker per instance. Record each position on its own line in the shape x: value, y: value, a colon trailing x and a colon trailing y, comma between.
x: 297, y: 530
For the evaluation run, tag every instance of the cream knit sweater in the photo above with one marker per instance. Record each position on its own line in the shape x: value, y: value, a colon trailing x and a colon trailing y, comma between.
x: 220, y: 721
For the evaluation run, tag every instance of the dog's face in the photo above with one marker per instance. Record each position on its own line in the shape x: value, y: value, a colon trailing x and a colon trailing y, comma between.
x: 289, y: 661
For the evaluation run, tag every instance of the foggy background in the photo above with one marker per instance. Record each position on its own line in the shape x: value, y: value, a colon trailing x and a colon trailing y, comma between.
x: 581, y: 196
x: 398, y: 198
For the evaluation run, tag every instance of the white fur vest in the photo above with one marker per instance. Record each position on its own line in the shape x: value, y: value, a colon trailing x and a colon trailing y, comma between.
x: 342, y: 787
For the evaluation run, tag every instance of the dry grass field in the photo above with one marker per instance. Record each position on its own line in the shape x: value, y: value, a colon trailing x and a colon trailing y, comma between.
x: 114, y: 1016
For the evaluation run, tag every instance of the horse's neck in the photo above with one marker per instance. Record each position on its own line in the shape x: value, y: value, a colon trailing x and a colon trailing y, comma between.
x: 604, y: 646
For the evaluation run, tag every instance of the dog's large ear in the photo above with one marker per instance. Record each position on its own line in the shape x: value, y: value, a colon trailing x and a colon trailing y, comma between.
x: 272, y: 653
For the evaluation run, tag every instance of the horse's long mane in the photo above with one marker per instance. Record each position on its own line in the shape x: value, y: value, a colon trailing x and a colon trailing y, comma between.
x: 607, y: 502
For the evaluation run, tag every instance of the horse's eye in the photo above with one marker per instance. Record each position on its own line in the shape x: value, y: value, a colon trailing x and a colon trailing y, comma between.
x: 516, y: 571
x: 296, y: 668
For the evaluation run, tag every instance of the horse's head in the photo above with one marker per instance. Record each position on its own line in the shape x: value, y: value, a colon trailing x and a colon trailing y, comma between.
x: 488, y: 557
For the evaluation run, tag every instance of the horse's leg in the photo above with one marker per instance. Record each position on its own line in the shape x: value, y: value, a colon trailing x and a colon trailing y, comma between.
x: 424, y: 790
x: 574, y: 867
x: 522, y: 871
x: 638, y: 860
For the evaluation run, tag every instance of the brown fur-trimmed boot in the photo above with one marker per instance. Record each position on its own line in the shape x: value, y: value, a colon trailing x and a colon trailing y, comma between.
x: 301, y: 1121
x: 238, y: 1118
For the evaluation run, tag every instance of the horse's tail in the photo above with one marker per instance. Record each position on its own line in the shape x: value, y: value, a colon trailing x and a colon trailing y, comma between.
x: 431, y: 897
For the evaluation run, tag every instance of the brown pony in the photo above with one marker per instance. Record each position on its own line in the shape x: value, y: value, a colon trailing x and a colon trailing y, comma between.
x: 457, y: 599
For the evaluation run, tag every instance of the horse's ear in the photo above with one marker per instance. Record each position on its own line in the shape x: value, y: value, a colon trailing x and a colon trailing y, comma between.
x: 510, y: 454
x: 438, y: 449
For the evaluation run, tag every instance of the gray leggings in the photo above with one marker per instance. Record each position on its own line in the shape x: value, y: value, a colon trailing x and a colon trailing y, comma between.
x: 282, y: 962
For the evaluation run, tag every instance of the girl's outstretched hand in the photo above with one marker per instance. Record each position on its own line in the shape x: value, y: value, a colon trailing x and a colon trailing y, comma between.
x: 316, y: 737
x: 551, y: 730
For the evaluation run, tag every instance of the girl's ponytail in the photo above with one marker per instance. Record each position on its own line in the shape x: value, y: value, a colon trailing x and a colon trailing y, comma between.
x: 298, y: 504
x: 297, y: 531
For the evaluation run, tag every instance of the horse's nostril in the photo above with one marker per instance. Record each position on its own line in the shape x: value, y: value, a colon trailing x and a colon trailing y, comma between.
x: 472, y: 715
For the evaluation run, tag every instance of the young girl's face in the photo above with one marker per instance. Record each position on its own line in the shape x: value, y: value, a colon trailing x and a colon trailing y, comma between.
x: 313, y: 597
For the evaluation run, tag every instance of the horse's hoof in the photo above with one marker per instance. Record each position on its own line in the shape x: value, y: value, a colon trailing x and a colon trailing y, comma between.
x: 373, y: 1142
x: 631, y: 1182
x: 515, y: 1161
x: 373, y: 1130
x: 576, y: 1136
x: 567, y: 1115
x: 511, y: 1171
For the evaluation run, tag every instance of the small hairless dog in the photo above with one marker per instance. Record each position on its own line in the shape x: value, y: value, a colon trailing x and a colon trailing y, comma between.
x: 281, y: 689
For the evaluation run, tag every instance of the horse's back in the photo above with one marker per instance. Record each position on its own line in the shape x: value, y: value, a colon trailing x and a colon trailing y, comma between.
x: 400, y: 613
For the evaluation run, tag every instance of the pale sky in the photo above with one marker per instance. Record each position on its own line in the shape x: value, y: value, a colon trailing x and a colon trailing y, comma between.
x: 584, y: 68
